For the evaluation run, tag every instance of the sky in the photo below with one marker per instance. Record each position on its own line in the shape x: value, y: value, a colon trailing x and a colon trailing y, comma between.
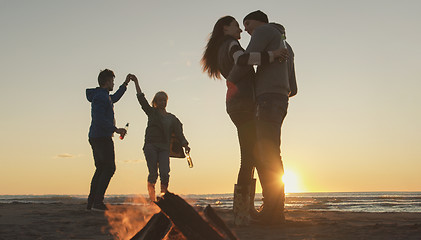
x: 353, y: 126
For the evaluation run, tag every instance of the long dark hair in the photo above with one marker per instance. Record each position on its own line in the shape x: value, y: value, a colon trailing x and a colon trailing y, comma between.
x: 210, y: 55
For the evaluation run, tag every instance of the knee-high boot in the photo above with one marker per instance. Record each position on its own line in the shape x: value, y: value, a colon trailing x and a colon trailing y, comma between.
x: 241, y: 205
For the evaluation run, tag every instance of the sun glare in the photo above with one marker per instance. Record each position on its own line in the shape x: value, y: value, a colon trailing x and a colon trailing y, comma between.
x: 292, y: 183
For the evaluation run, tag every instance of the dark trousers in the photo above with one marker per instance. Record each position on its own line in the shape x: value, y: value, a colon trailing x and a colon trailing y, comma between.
x: 245, y: 123
x: 103, y: 151
x: 271, y: 111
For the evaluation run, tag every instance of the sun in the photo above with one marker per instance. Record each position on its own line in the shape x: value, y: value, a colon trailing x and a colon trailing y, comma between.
x: 291, y: 181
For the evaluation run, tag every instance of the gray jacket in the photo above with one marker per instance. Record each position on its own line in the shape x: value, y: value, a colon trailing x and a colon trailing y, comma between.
x: 271, y: 78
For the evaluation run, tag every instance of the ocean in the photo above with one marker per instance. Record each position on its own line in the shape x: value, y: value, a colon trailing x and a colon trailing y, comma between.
x: 323, y: 201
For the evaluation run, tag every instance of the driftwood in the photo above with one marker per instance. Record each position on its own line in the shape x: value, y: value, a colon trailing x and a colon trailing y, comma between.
x: 217, y: 222
x: 184, y: 222
x: 186, y: 219
x: 156, y: 228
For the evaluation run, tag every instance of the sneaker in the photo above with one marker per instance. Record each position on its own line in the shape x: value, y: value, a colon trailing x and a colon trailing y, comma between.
x: 100, y: 207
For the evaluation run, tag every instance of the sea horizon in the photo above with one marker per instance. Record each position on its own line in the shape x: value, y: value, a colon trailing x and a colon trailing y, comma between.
x: 376, y: 201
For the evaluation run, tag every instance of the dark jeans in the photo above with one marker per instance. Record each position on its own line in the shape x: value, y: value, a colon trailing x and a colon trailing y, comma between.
x: 246, y: 130
x: 271, y: 111
x: 103, y: 151
x: 157, y: 158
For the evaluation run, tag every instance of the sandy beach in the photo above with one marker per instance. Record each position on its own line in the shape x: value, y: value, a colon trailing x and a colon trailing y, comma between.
x: 72, y: 221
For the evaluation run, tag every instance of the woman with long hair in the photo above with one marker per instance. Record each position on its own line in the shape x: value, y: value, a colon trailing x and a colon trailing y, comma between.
x: 164, y: 138
x: 224, y: 56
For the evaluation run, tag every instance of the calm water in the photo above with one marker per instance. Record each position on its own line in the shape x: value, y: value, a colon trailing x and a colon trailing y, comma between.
x: 344, y: 201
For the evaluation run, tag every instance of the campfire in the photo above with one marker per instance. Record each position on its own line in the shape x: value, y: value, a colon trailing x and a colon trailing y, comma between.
x: 171, y: 218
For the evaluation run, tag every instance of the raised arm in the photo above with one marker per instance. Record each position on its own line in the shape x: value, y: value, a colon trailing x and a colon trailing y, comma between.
x: 141, y: 96
x: 121, y: 90
x: 259, y: 40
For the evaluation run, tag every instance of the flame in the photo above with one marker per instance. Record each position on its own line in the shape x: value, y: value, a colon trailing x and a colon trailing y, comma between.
x: 129, y: 218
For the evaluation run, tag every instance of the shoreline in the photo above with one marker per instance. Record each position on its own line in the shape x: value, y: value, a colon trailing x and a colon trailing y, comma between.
x: 73, y: 221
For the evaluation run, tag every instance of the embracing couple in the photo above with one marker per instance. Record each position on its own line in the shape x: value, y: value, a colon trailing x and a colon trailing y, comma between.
x: 257, y: 104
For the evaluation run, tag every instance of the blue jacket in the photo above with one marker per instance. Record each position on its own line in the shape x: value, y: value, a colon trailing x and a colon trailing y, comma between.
x: 102, y: 110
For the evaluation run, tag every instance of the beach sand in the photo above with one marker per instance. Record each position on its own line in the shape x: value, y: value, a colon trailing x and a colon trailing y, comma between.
x: 72, y: 221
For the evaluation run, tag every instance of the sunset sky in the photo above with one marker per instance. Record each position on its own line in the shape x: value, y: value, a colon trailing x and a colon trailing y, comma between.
x: 355, y: 124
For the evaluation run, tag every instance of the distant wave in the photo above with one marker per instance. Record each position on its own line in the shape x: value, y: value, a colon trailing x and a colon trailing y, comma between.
x: 345, y: 201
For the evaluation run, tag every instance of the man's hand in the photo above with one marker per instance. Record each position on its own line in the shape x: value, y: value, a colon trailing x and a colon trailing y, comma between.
x: 127, y: 79
x: 281, y: 54
x: 121, y: 131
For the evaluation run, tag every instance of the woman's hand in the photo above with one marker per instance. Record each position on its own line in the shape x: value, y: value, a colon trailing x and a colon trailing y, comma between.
x: 187, y: 149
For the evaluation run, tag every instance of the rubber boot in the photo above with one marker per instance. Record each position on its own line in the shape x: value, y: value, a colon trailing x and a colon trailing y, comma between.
x: 151, y: 191
x: 241, y: 205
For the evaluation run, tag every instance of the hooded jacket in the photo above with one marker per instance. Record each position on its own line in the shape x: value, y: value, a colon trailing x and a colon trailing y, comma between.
x: 102, y: 110
x: 273, y: 77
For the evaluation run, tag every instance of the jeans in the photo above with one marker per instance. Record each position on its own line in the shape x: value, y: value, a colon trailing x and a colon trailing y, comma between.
x: 246, y: 130
x: 271, y: 111
x: 104, y: 157
x: 157, y: 158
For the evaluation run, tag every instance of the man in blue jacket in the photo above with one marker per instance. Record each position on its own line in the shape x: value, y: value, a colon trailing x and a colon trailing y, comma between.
x: 100, y: 135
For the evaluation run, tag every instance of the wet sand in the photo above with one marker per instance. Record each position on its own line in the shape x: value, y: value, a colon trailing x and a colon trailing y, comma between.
x: 72, y: 221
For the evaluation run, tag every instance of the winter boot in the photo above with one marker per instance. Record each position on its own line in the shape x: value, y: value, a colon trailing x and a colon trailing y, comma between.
x: 151, y: 191
x: 241, y: 205
x: 272, y: 211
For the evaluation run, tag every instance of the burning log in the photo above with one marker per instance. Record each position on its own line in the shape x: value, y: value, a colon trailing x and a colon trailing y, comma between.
x: 156, y: 228
x: 186, y: 219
